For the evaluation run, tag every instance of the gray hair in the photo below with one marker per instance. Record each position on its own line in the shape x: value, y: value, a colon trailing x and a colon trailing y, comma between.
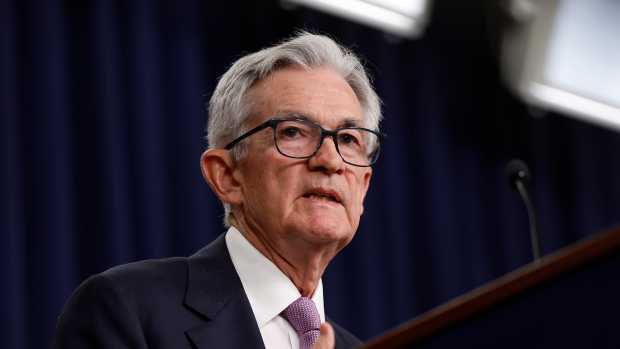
x: 230, y: 107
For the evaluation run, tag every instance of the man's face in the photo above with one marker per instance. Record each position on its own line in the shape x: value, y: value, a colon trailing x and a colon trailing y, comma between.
x: 317, y: 200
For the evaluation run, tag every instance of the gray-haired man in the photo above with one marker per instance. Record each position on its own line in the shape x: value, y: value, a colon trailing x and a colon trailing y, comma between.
x: 292, y: 136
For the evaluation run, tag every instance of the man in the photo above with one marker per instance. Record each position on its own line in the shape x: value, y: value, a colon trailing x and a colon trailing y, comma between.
x: 292, y: 135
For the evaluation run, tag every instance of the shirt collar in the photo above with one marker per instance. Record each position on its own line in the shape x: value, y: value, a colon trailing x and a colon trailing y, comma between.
x: 267, y: 288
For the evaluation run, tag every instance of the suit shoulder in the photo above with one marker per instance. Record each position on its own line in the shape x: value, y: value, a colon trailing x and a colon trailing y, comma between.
x: 137, y: 280
x: 115, y: 306
x: 149, y: 270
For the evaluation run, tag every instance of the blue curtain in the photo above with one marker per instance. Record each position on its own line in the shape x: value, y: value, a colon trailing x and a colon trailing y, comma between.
x: 102, y: 114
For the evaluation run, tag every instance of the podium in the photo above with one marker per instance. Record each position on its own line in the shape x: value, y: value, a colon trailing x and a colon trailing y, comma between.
x: 568, y: 299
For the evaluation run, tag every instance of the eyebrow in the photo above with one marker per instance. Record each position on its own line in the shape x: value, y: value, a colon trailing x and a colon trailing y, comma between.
x: 348, y: 122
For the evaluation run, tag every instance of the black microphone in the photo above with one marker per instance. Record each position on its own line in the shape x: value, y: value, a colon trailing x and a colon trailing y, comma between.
x: 519, y: 176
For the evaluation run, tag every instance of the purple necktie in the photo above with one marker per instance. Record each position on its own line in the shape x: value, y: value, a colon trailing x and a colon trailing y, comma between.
x: 304, y: 318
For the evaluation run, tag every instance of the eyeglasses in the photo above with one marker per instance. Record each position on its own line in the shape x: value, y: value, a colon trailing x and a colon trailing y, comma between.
x: 300, y: 138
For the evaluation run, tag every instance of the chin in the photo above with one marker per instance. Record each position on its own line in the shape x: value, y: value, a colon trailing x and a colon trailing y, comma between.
x: 325, y: 230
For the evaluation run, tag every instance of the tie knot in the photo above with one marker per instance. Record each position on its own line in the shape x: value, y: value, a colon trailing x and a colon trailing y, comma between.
x: 304, y: 317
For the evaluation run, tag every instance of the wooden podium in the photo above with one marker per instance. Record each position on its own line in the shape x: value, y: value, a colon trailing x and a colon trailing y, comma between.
x: 569, y: 299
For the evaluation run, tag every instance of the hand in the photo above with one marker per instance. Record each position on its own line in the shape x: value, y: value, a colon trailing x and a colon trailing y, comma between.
x: 326, y: 338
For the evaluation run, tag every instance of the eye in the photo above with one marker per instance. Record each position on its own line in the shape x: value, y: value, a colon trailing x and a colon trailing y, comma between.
x: 349, y: 138
x: 291, y: 132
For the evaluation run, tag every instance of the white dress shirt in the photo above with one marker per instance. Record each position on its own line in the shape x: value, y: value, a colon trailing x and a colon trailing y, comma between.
x: 268, y: 290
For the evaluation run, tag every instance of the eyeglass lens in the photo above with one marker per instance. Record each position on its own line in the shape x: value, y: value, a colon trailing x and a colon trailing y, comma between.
x: 301, y: 139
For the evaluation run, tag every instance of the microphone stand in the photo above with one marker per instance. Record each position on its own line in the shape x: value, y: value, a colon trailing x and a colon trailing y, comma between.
x: 518, y: 175
x: 531, y: 214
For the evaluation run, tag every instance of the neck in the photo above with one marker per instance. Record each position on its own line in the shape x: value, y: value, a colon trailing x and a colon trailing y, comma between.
x: 302, y: 262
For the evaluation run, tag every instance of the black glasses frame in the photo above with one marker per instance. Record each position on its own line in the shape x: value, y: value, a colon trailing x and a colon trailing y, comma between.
x: 273, y: 123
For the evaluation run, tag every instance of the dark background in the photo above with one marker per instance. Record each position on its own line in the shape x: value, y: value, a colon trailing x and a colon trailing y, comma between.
x: 102, y: 114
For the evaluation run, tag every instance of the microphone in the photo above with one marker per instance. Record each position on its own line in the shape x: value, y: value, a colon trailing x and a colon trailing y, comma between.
x: 519, y: 177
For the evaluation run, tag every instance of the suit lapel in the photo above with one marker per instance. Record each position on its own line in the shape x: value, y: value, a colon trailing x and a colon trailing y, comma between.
x: 343, y: 339
x: 215, y: 292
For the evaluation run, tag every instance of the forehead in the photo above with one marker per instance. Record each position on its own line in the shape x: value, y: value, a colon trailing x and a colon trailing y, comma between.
x: 320, y: 94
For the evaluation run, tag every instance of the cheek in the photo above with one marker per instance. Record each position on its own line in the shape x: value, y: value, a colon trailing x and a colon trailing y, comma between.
x: 276, y: 187
x: 357, y: 198
x: 258, y: 190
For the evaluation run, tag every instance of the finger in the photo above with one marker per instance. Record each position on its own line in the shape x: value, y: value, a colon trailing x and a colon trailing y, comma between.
x: 326, y: 338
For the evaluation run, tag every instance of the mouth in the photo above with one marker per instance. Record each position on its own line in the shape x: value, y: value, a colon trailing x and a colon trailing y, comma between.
x: 323, y: 195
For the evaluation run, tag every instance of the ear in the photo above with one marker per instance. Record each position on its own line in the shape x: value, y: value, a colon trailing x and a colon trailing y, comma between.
x: 366, y: 183
x: 218, y: 170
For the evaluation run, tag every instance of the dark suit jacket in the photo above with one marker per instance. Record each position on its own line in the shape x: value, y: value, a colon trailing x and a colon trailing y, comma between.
x: 195, y: 302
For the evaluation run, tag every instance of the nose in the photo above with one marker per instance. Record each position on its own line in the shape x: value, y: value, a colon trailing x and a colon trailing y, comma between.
x: 327, y: 158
